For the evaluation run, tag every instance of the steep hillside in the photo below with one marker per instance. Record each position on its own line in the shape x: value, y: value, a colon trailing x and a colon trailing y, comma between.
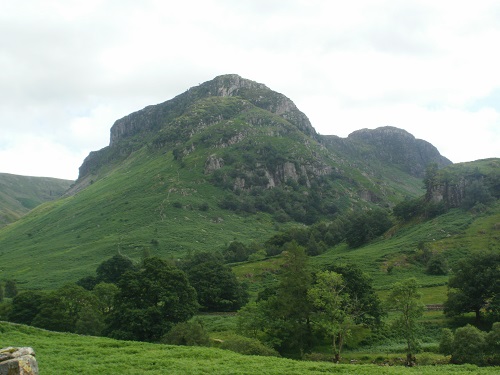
x: 20, y: 194
x: 229, y: 159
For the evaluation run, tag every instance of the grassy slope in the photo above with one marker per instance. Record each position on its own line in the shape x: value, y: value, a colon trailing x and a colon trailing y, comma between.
x: 455, y: 234
x: 20, y: 194
x: 70, y: 237
x: 133, y: 206
x: 62, y: 353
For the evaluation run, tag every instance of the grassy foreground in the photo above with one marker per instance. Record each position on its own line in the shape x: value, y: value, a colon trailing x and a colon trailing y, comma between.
x: 63, y: 353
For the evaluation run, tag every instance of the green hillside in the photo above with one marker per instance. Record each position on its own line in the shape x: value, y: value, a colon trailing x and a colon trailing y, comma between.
x: 20, y: 194
x: 64, y: 353
x: 227, y: 160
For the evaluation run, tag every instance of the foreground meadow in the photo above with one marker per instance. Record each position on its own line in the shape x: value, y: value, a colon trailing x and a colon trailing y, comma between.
x: 63, y: 353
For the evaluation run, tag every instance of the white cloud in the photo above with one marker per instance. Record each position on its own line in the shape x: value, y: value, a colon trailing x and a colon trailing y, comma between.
x: 71, y: 68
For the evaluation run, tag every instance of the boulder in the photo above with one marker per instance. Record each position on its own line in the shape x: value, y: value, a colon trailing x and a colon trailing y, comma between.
x: 18, y: 361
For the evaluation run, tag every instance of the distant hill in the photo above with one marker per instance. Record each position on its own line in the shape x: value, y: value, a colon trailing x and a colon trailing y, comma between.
x: 228, y: 159
x: 20, y: 194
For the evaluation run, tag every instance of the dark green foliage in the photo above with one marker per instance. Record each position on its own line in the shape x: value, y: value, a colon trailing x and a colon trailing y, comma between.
x: 111, y: 270
x: 248, y: 346
x: 476, y: 193
x: 469, y: 344
x: 10, y: 288
x: 237, y: 252
x: 474, y: 285
x: 446, y: 342
x: 437, y: 265
x: 409, y: 209
x: 87, y: 282
x: 105, y: 294
x: 61, y: 309
x: 286, y: 325
x: 405, y: 299
x: 493, y: 345
x: 25, y: 306
x: 362, y: 297
x: 1, y: 293
x: 215, y: 283
x: 150, y: 301
x: 366, y: 226
x: 189, y: 333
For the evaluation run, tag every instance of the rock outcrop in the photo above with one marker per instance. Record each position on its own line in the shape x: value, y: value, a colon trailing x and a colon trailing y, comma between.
x: 18, y: 361
x: 156, y: 116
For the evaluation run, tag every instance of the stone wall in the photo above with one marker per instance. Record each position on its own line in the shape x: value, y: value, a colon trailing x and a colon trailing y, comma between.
x: 18, y: 361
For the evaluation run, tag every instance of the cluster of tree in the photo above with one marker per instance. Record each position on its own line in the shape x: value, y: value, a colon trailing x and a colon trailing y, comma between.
x: 474, y: 286
x: 303, y: 308
x: 470, y: 345
x: 133, y: 302
x: 356, y: 229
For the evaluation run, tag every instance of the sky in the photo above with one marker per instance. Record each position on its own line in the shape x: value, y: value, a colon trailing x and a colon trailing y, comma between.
x: 70, y: 68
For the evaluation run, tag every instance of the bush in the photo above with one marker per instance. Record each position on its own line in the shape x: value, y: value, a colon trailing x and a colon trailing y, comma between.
x: 468, y: 345
x: 446, y: 342
x: 248, y: 346
x: 187, y: 333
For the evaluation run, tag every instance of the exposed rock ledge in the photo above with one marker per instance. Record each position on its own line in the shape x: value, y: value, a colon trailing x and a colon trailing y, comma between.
x: 18, y: 361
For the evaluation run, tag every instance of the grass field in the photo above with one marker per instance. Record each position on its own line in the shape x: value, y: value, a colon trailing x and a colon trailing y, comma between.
x: 62, y: 353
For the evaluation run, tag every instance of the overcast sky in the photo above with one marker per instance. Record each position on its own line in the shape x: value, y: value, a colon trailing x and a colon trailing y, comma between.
x: 70, y: 68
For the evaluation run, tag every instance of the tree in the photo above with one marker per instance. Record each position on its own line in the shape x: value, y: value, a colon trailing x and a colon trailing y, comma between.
x: 10, y: 288
x: 474, y: 285
x: 289, y: 309
x: 150, y: 301
x: 112, y: 269
x: 446, y: 341
x: 334, y: 313
x: 105, y: 294
x: 405, y: 298
x: 25, y: 306
x: 215, y: 283
x: 363, y: 299
x: 1, y: 293
x: 60, y: 310
x: 366, y: 226
x: 87, y: 282
x: 476, y: 192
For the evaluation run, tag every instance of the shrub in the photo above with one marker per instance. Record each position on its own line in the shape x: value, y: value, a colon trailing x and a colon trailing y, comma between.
x: 446, y: 342
x: 187, y: 333
x: 248, y: 346
x: 468, y: 345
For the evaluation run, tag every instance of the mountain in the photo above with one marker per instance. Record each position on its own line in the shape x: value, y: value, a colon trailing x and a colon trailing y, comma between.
x: 20, y: 194
x: 228, y: 159
x: 390, y: 146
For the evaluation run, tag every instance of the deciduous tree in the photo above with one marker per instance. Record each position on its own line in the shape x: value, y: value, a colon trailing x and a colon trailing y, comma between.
x: 405, y: 299
x: 474, y: 285
x: 150, y: 301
